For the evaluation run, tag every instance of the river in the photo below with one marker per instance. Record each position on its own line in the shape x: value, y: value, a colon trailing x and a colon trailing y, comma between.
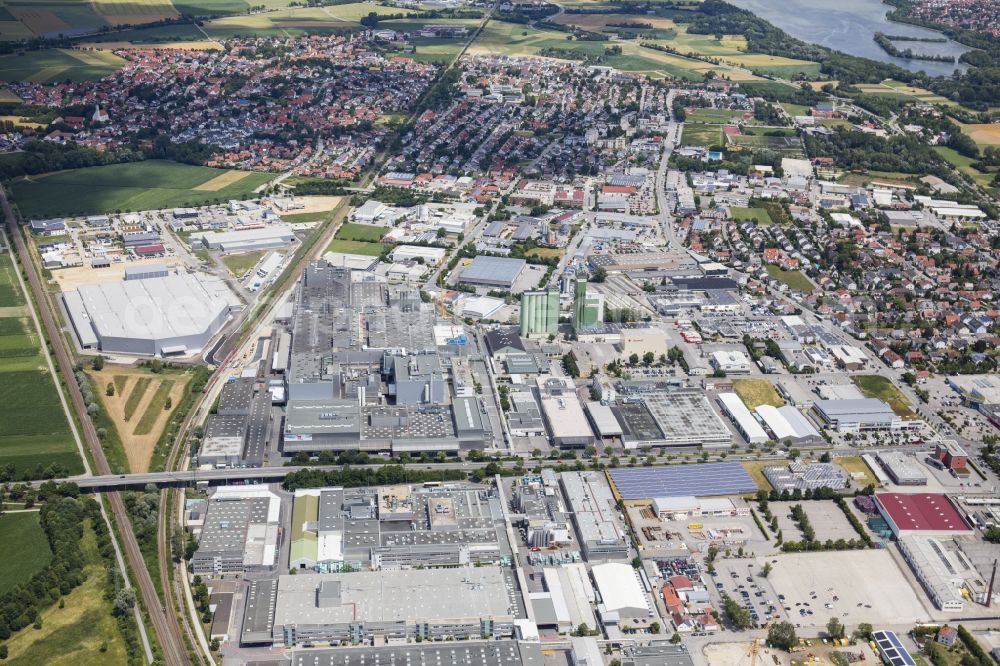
x: 850, y: 26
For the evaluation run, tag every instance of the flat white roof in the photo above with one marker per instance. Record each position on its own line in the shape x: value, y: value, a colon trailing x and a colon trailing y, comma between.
x: 744, y: 419
x: 604, y: 420
x: 565, y: 416
x: 619, y: 587
x: 153, y: 309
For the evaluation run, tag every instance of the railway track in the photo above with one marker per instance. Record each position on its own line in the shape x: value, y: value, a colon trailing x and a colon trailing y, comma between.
x: 173, y: 591
x: 167, y: 631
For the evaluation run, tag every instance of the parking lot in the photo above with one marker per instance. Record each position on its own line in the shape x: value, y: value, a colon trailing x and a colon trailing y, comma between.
x: 741, y: 580
x: 854, y: 585
x: 824, y: 516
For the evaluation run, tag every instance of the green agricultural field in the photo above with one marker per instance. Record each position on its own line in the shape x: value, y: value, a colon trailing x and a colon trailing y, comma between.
x: 696, y: 134
x: 34, y: 432
x: 759, y: 215
x: 357, y: 247
x: 126, y: 187
x: 211, y: 7
x: 794, y: 279
x: 176, y: 32
x: 294, y: 21
x: 876, y: 386
x: 49, y: 65
x: 239, y: 264
x: 360, y: 232
x: 26, y: 550
x: 964, y: 164
x: 513, y: 39
x: 10, y: 292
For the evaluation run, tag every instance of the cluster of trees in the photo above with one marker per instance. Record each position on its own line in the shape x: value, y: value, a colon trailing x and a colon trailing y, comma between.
x: 321, y: 186
x: 739, y: 617
x: 886, y: 42
x: 976, y: 656
x: 353, y: 477
x: 143, y: 510
x: 572, y: 367
x: 857, y: 150
x: 62, y: 518
x: 802, y: 520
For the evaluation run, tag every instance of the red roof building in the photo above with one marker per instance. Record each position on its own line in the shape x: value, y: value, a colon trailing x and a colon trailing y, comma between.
x: 926, y: 513
x: 154, y: 250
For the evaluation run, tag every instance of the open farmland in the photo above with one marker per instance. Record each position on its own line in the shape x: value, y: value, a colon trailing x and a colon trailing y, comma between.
x: 514, y: 39
x: 35, y: 432
x: 728, y: 50
x: 134, y: 12
x: 964, y: 164
x: 125, y: 187
x: 26, y: 550
x: 48, y: 65
x: 982, y: 134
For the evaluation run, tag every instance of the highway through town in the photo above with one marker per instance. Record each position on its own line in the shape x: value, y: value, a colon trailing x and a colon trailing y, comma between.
x: 167, y: 631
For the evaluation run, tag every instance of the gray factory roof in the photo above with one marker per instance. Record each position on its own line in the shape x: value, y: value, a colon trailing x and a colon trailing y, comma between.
x: 158, y: 308
x: 493, y: 270
x: 236, y: 396
x: 258, y: 617
x: 381, y: 596
x: 593, y: 506
x: 857, y: 410
x: 491, y: 653
x: 225, y: 426
x: 686, y: 416
x: 258, y: 430
x: 902, y: 467
x: 812, y: 476
x: 657, y: 654
x: 468, y: 415
x: 503, y: 339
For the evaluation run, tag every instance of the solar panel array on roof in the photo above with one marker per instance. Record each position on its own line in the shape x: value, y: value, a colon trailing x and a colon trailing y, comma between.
x: 702, y: 480
x: 891, y: 650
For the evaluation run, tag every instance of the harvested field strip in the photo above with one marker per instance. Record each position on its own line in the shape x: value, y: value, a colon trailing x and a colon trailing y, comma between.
x: 155, y: 408
x: 221, y: 181
x: 135, y: 396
